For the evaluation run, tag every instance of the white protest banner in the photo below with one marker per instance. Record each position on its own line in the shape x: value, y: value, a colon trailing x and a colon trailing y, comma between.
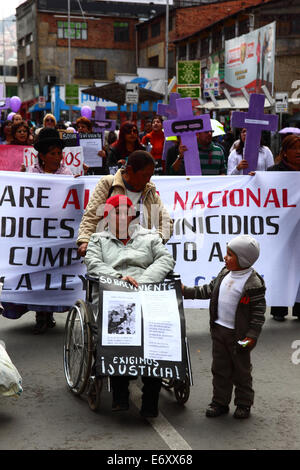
x: 40, y: 216
x: 73, y: 159
x: 29, y: 157
x: 12, y: 157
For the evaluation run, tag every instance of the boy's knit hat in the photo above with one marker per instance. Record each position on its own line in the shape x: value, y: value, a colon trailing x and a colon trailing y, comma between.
x: 246, y: 249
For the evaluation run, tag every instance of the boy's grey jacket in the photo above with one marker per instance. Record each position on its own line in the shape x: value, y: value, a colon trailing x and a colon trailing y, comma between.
x: 250, y: 312
x: 145, y: 258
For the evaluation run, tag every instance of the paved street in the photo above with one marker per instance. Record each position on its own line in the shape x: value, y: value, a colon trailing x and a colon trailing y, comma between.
x: 48, y: 416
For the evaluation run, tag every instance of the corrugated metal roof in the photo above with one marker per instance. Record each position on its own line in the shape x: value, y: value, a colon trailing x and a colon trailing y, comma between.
x: 99, y: 8
x: 213, y: 13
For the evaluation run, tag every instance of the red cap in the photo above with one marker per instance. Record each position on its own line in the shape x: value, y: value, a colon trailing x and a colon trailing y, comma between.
x: 116, y: 201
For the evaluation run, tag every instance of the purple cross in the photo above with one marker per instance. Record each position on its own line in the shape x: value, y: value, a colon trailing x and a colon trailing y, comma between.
x: 4, y: 102
x: 170, y: 111
x: 102, y: 123
x: 186, y: 125
x: 255, y: 121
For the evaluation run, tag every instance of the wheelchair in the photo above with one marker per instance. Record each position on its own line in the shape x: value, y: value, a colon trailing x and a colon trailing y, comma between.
x: 80, y: 350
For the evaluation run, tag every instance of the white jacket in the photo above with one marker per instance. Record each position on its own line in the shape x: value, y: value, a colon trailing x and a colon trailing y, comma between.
x: 265, y: 160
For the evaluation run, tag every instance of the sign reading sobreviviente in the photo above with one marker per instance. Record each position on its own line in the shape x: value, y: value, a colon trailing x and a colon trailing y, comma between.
x: 141, y: 331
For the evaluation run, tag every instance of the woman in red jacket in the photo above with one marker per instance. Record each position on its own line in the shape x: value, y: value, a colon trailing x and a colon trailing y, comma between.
x: 154, y: 142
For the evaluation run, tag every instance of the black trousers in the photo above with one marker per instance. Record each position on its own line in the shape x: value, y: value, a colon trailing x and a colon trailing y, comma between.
x: 120, y: 388
x: 283, y: 311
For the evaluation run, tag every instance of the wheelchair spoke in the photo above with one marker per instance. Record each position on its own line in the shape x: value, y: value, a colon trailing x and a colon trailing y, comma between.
x: 77, y: 348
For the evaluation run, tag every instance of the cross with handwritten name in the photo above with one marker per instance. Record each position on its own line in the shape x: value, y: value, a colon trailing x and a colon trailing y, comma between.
x: 186, y: 125
x: 255, y: 121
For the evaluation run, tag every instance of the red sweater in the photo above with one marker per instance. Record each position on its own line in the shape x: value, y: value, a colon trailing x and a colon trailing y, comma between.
x: 157, y: 141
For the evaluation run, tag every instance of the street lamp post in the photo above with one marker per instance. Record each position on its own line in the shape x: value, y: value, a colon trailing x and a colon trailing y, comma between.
x: 167, y: 53
x: 69, y: 57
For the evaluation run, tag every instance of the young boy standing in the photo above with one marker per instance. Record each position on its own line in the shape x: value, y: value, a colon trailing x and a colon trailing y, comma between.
x: 237, y: 309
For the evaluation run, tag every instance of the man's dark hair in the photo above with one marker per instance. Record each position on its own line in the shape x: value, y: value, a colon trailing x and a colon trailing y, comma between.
x: 140, y: 159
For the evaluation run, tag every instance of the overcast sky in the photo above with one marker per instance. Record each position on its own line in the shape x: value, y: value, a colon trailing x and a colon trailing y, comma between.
x: 8, y: 7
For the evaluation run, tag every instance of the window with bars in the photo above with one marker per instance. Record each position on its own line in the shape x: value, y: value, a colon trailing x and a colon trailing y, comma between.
x: 155, y: 29
x: 229, y: 32
x: 9, y: 70
x: 29, y: 67
x: 182, y: 52
x: 205, y: 46
x: 217, y: 41
x: 121, y: 32
x: 193, y: 50
x: 295, y: 25
x: 144, y: 34
x: 90, y: 69
x: 28, y: 38
x: 243, y: 27
x: 153, y: 61
x: 21, y: 71
x: 77, y: 30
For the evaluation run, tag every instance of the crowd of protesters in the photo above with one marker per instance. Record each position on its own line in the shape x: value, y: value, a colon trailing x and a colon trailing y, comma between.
x: 218, y: 156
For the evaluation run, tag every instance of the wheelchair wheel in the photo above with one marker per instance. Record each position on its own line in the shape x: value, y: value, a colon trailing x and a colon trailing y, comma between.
x: 94, y: 392
x: 78, y: 348
x: 182, y: 390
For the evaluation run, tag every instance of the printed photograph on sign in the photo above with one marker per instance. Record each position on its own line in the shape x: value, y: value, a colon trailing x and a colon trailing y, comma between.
x: 121, y: 319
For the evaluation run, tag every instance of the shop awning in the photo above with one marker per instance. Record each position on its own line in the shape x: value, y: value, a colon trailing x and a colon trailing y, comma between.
x: 36, y: 108
x: 62, y: 106
x: 239, y: 103
x: 116, y: 92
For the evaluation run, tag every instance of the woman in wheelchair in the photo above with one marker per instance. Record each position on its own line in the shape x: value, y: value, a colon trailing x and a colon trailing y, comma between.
x: 137, y: 255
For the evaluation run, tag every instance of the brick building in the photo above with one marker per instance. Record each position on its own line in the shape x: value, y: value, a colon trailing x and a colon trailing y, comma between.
x: 199, y: 32
x: 103, y: 43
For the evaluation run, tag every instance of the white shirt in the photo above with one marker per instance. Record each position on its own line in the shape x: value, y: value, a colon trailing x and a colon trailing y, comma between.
x: 265, y: 160
x: 230, y: 292
x: 134, y: 197
x: 137, y: 202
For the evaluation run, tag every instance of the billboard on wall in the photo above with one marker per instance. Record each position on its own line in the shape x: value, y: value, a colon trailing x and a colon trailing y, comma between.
x: 249, y: 61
